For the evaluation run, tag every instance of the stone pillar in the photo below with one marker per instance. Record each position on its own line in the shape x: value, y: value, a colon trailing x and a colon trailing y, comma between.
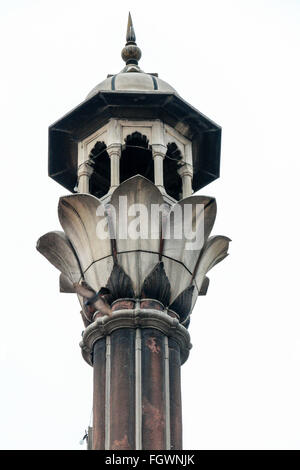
x: 114, y: 152
x: 158, y: 153
x: 85, y: 171
x: 136, y: 356
x: 186, y: 173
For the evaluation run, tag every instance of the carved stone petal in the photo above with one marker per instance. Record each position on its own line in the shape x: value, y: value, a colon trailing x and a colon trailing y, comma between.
x: 119, y: 284
x: 65, y: 285
x: 214, y: 251
x: 194, y: 299
x: 78, y: 215
x: 183, y: 303
x: 157, y: 286
x: 137, y: 192
x: 138, y: 264
x: 180, y: 278
x: 203, y: 210
x: 57, y: 249
x: 99, y: 272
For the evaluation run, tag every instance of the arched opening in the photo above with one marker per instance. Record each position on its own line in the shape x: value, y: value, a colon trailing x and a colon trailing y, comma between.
x: 136, y: 157
x: 172, y: 180
x: 100, y: 179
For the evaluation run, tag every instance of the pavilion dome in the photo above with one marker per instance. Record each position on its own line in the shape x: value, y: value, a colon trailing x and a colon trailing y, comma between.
x: 132, y: 81
x: 132, y: 78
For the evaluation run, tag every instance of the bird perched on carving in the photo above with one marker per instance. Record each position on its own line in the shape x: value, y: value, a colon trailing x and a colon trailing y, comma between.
x: 93, y: 301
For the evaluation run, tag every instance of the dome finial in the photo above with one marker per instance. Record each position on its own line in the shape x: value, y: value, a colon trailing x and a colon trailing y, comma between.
x: 131, y: 53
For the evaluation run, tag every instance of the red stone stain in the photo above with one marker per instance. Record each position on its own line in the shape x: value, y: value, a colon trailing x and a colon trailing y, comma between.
x: 122, y: 304
x: 154, y: 426
x: 122, y: 444
x: 151, y: 344
x: 151, y: 304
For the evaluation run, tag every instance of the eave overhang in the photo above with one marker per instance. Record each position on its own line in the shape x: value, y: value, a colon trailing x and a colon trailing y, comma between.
x: 91, y: 114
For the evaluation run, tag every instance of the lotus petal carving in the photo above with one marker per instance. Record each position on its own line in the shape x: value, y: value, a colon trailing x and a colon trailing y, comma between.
x: 157, y: 285
x: 56, y: 247
x: 120, y: 284
x: 157, y: 264
x: 183, y: 303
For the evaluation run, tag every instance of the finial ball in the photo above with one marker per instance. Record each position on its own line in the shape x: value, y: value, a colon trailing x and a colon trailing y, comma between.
x: 131, y: 54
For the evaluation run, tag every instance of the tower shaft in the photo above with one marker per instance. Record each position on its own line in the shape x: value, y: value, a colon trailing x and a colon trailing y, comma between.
x: 136, y: 356
x: 137, y: 393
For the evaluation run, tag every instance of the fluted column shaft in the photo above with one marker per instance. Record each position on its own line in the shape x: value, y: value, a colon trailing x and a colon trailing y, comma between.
x: 85, y: 171
x: 186, y: 173
x: 143, y: 407
x: 158, y: 153
x: 114, y: 152
x: 137, y: 389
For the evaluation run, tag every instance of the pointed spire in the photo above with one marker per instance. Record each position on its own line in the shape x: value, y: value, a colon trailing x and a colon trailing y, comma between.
x: 130, y: 35
x: 131, y: 53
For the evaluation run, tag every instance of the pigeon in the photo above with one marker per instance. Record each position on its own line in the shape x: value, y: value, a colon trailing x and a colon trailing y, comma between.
x: 93, y: 301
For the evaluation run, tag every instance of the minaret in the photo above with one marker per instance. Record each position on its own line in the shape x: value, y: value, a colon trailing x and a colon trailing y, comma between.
x: 135, y: 245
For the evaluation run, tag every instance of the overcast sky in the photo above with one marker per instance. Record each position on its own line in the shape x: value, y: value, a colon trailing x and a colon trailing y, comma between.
x: 238, y: 63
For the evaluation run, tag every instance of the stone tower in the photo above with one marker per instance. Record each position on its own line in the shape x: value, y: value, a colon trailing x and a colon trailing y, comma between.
x: 135, y: 245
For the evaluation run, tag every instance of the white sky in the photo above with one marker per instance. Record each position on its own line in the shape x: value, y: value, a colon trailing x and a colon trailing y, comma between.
x: 238, y: 63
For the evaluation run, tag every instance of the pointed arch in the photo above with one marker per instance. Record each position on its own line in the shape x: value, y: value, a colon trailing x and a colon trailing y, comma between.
x: 99, y: 181
x: 172, y: 180
x: 136, y: 157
